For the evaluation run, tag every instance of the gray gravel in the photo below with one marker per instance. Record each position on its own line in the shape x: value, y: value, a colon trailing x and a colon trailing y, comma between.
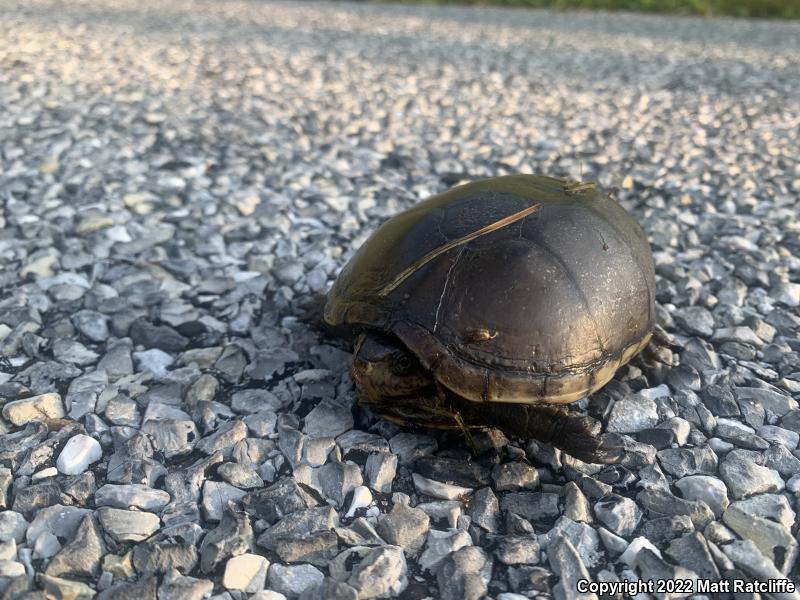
x: 178, y: 180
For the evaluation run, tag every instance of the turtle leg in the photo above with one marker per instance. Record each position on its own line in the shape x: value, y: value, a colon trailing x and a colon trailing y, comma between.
x: 577, y: 434
x: 433, y: 412
x: 660, y: 347
x: 657, y: 358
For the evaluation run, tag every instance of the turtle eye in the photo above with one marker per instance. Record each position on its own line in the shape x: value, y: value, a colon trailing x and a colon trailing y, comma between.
x: 401, y: 364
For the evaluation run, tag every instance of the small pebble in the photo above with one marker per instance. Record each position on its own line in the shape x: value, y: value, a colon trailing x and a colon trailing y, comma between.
x: 79, y: 452
x: 362, y: 498
x: 245, y: 572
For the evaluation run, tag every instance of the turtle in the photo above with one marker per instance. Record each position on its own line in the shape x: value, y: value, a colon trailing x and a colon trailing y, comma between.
x: 498, y: 303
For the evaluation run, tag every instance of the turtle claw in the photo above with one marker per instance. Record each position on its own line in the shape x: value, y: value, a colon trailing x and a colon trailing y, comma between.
x: 659, y: 350
x: 575, y: 433
x: 659, y: 356
x: 606, y: 449
x: 580, y: 436
x: 610, y: 449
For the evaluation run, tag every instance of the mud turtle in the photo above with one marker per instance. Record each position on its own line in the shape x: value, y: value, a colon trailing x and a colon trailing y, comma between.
x: 496, y: 303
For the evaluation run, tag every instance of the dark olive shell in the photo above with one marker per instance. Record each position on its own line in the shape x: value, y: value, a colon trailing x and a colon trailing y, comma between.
x: 544, y: 309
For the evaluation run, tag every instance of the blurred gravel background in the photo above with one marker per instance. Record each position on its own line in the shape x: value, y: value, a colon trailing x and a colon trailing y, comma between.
x: 177, y: 179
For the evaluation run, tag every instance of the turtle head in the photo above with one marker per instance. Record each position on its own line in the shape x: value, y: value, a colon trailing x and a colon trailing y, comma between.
x: 383, y: 368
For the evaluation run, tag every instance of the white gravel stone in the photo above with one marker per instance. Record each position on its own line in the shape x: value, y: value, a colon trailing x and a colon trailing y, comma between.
x: 92, y: 324
x: 788, y: 293
x: 362, y: 498
x: 619, y: 514
x: 70, y: 351
x: 439, y: 544
x: 66, y: 588
x: 584, y: 537
x: 632, y: 413
x: 246, y: 572
x: 709, y: 489
x: 78, y: 453
x: 293, y: 580
x: 11, y: 568
x: 380, y: 471
x: 46, y: 546
x: 437, y: 489
x: 8, y: 550
x: 60, y: 520
x: 154, y: 360
x: 328, y: 419
x: 745, y: 478
x: 661, y: 391
x: 613, y: 543
x: 779, y: 435
x: 35, y: 408
x: 127, y: 525
x: 44, y: 474
x: 131, y: 496
x: 768, y: 399
x: 745, y: 555
x: 382, y: 573
x: 267, y: 595
x: 680, y: 427
x: 567, y: 564
x: 448, y: 510
x: 774, y: 540
x: 637, y: 545
x: 216, y: 495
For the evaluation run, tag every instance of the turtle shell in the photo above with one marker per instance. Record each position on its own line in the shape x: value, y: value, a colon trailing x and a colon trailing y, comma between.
x: 544, y: 308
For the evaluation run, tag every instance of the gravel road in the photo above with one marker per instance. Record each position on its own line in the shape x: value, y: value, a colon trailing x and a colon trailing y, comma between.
x: 177, y: 179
